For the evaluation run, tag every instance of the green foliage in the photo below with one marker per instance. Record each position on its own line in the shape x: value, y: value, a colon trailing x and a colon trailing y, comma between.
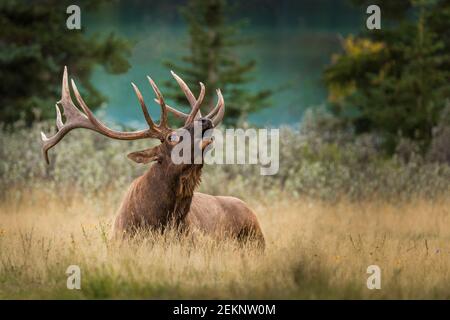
x: 213, y: 60
x: 35, y: 44
x: 395, y: 81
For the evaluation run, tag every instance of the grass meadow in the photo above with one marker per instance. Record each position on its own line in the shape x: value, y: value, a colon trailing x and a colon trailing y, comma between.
x: 314, y: 250
x: 327, y: 216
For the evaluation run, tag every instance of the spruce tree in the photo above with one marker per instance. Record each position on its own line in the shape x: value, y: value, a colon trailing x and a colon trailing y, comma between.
x: 35, y: 44
x: 213, y: 59
x: 395, y: 81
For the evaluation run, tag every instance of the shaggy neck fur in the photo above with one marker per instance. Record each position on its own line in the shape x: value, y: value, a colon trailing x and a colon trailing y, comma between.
x: 173, y: 192
x: 186, y: 185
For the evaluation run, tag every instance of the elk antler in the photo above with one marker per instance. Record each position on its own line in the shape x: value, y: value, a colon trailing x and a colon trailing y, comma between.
x: 77, y: 119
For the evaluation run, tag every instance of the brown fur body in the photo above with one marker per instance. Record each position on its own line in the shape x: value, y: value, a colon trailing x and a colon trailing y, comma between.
x: 153, y: 205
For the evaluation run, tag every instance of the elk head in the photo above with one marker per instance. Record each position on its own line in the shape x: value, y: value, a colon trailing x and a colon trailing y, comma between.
x: 168, y: 137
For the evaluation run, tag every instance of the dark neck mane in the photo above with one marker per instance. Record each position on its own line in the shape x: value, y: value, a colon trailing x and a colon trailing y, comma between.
x: 173, y: 192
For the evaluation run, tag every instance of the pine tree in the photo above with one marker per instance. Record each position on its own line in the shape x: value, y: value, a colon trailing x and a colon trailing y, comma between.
x: 395, y: 82
x: 35, y: 44
x: 213, y: 60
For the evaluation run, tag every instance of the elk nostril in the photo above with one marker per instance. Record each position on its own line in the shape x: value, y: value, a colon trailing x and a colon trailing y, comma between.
x: 206, y: 123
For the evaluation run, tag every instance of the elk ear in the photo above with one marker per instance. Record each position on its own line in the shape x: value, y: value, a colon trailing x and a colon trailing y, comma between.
x: 144, y: 156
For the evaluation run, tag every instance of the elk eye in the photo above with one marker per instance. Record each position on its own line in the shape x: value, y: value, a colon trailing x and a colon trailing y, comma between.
x: 173, y: 137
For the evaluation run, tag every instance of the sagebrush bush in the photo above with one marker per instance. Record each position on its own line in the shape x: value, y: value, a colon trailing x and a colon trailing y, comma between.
x: 314, y: 162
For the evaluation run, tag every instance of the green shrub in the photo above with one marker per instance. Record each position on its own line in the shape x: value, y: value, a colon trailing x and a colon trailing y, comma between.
x: 311, y: 165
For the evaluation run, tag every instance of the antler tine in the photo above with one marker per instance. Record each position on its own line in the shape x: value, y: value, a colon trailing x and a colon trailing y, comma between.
x: 214, y: 111
x: 187, y: 92
x: 220, y: 107
x: 65, y: 91
x: 163, y: 121
x: 176, y: 112
x: 70, y: 110
x: 59, y: 123
x: 196, y: 107
x: 147, y: 116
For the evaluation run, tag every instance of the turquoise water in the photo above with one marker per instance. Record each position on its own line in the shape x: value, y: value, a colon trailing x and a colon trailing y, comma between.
x: 293, y: 42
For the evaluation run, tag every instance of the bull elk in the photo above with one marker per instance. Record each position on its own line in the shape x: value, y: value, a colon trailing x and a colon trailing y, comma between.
x: 165, y: 193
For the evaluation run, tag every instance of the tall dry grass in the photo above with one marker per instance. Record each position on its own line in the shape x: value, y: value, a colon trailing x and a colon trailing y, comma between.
x: 336, y: 206
x: 314, y: 250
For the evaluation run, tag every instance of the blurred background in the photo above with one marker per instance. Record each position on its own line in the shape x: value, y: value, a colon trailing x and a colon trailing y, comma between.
x: 272, y: 59
x: 282, y: 47
x: 354, y: 104
x: 278, y: 47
